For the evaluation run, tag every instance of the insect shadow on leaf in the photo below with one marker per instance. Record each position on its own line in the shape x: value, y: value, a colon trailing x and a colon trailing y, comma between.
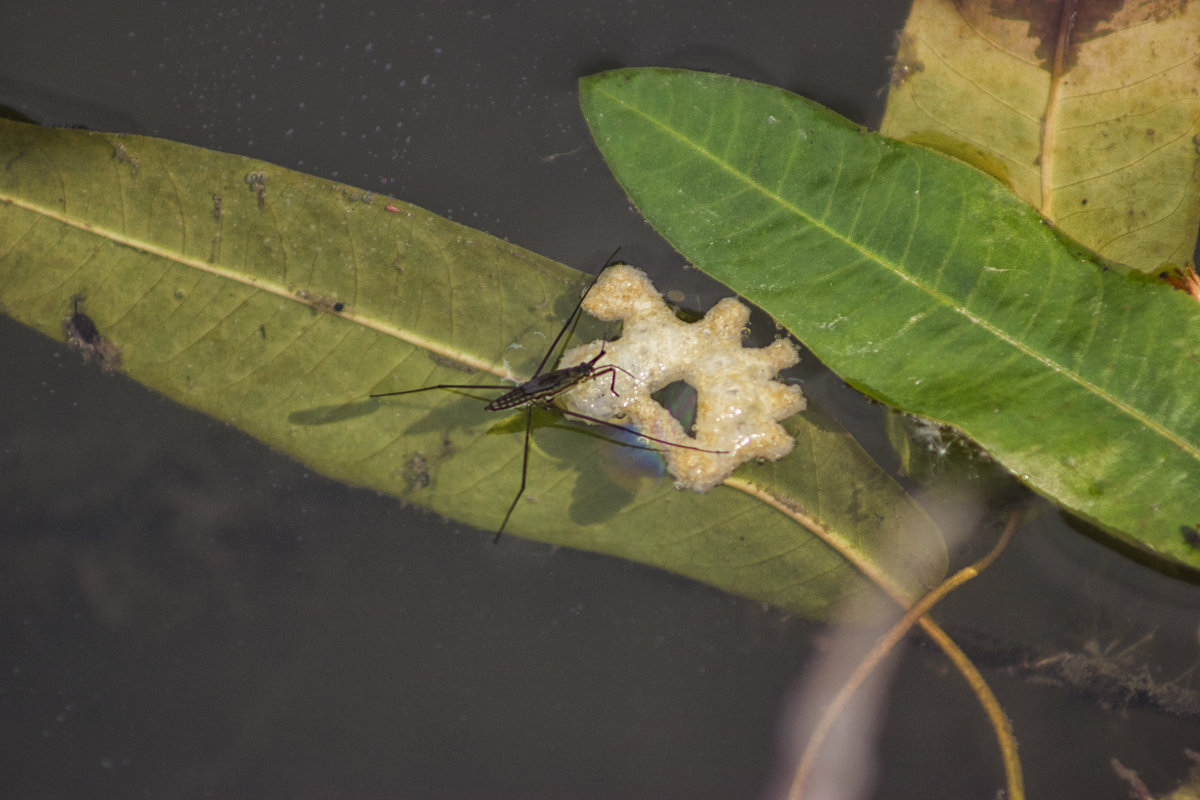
x: 541, y: 391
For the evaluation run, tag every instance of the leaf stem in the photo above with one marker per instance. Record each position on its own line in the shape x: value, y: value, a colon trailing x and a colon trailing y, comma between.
x: 916, y: 616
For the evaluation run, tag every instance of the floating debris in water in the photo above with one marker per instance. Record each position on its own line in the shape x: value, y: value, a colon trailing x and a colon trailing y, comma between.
x: 739, y: 404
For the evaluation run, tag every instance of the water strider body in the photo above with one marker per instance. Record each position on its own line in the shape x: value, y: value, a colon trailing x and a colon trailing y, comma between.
x: 541, y: 390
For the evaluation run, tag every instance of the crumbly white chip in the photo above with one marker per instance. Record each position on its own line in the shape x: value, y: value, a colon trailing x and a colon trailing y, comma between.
x: 738, y: 403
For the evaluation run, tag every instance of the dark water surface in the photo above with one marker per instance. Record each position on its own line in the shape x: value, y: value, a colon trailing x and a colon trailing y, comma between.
x: 184, y: 613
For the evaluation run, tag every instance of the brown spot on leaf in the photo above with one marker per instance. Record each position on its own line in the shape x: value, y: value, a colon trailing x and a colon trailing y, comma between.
x: 84, y: 337
x: 1059, y: 27
x: 122, y: 155
x: 257, y: 181
x: 1184, y: 279
x: 320, y: 302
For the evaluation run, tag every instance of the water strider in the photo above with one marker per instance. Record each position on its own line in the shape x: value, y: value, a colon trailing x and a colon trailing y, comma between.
x: 541, y: 390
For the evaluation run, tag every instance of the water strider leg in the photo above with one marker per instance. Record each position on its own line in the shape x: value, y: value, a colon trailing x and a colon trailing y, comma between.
x: 524, y: 472
x: 440, y: 386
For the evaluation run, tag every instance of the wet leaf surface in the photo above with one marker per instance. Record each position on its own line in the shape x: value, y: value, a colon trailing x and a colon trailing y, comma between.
x: 278, y: 302
x: 927, y: 284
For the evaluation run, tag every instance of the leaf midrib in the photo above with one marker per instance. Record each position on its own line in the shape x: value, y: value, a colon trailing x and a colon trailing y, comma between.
x: 942, y: 299
x: 252, y: 282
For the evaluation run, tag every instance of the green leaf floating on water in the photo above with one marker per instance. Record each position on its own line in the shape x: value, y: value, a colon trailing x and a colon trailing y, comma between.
x: 277, y: 301
x: 927, y: 284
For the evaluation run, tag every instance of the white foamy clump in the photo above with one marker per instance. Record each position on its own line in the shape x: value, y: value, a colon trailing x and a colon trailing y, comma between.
x: 738, y: 403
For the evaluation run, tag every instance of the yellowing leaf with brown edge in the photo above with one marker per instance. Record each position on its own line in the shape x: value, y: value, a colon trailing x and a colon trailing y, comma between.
x: 1090, y: 111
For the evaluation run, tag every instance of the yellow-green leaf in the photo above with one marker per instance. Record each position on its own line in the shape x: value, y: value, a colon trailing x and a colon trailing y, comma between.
x: 1089, y: 111
x: 278, y: 302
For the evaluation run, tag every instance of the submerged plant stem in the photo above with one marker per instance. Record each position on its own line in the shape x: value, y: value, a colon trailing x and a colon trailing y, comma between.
x: 916, y: 616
